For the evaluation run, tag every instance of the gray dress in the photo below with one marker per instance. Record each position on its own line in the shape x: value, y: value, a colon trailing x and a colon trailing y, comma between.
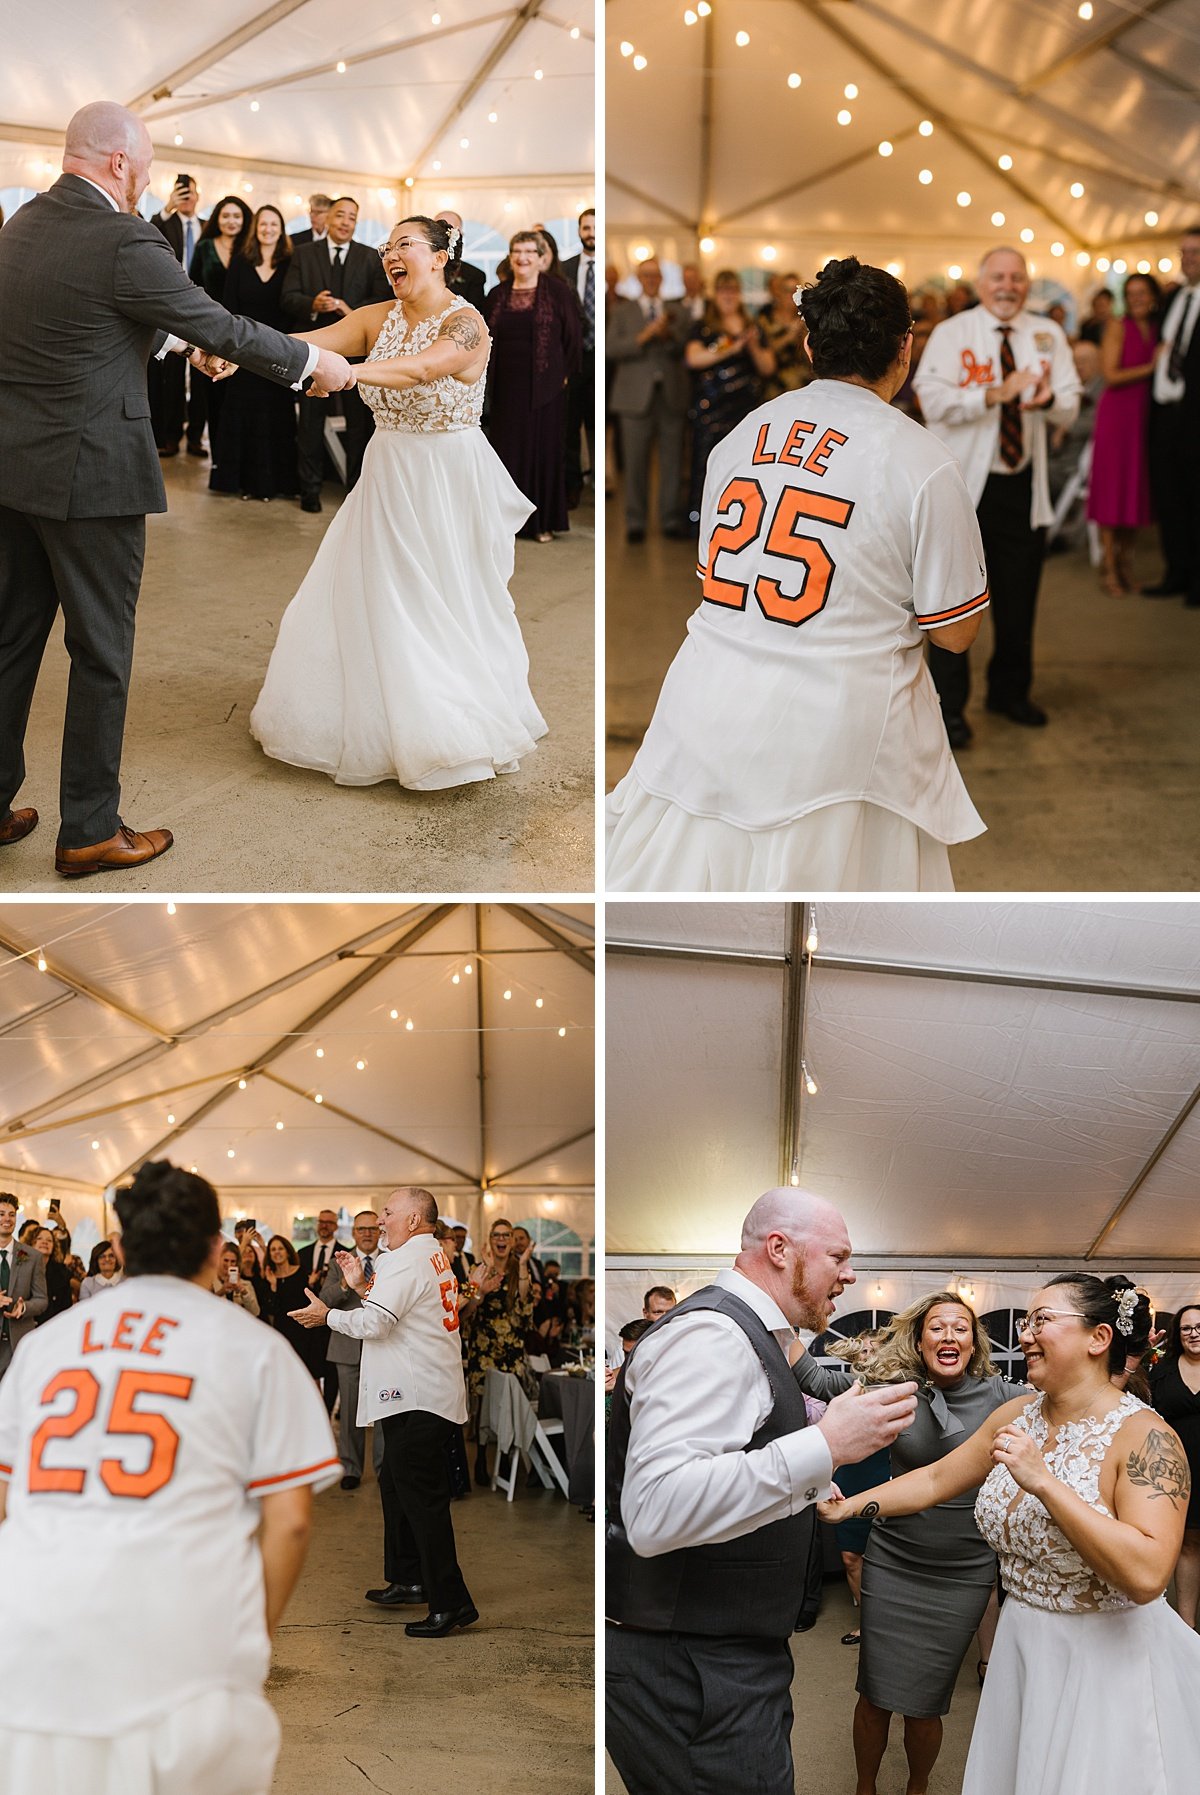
x: 927, y: 1577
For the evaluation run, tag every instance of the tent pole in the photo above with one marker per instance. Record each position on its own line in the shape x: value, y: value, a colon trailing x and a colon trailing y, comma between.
x: 524, y: 913
x: 704, y: 208
x: 545, y: 1153
x: 212, y: 53
x: 347, y: 1115
x: 794, y: 1006
x: 1145, y: 1172
x: 505, y: 41
x: 482, y: 1048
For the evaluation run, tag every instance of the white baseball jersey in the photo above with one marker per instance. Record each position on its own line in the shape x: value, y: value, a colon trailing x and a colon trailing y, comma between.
x: 136, y: 1435
x: 408, y: 1324
x: 833, y: 532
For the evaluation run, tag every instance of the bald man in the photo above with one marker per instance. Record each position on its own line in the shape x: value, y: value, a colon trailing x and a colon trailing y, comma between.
x: 714, y: 1474
x: 88, y: 293
x: 464, y: 277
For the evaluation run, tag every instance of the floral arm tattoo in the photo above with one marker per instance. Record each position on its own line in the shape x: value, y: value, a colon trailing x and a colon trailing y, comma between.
x: 1160, y: 1466
x: 463, y: 329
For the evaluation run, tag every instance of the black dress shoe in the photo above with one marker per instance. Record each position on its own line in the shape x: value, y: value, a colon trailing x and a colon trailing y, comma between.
x: 1167, y: 587
x: 635, y: 536
x: 397, y: 1595
x: 959, y: 733
x: 436, y: 1626
x: 1021, y: 710
x: 310, y: 502
x: 198, y: 449
x: 350, y: 1483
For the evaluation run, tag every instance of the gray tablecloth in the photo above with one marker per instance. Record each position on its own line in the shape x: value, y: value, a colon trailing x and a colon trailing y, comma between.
x: 574, y: 1399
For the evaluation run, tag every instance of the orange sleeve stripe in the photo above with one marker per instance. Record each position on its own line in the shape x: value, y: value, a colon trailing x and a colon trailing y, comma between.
x: 261, y: 1483
x: 5, y: 1470
x: 972, y: 604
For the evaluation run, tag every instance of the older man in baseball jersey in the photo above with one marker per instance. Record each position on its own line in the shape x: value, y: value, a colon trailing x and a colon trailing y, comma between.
x: 411, y: 1383
x: 991, y: 382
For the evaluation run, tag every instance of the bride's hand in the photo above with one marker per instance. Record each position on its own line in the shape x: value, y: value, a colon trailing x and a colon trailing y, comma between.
x: 834, y: 1506
x: 1016, y: 1451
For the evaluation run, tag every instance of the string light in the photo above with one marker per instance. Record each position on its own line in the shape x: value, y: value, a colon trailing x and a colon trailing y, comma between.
x: 468, y: 969
x: 395, y: 1015
x: 925, y: 128
x: 254, y: 105
x: 507, y: 995
x: 1164, y: 266
x: 41, y: 959
x: 171, y: 1120
x: 574, y: 33
x: 954, y: 271
x: 454, y: 979
x: 1143, y: 267
x: 1103, y: 264
x: 561, y: 1033
x: 1005, y: 162
x: 850, y: 91
x: 360, y: 1065
x: 639, y: 62
x: 997, y: 218
x: 707, y: 246
x: 843, y: 117
x: 539, y: 1003
x: 1083, y: 258
x: 963, y: 199
x: 1077, y: 190
x: 1057, y: 249
x: 492, y: 117
x: 690, y: 17
x: 793, y: 79
x: 812, y: 939
x: 742, y: 39
x: 178, y: 138
x: 925, y: 176
x: 317, y: 1097
x: 170, y: 909
x: 464, y: 143
x: 1027, y: 235
x: 320, y: 1053
x: 341, y: 68
x: 1151, y: 218
x: 537, y: 73
x: 279, y: 1127
x: 627, y: 48
x: 1119, y: 266
x: 769, y: 252
x: 409, y: 1025
x: 885, y: 148
x: 241, y: 1084
x: 810, y: 1083
x: 95, y: 1146
x: 1086, y: 9
x: 703, y: 8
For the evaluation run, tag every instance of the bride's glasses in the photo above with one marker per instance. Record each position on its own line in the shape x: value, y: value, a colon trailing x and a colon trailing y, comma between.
x: 1033, y: 1324
x: 401, y: 247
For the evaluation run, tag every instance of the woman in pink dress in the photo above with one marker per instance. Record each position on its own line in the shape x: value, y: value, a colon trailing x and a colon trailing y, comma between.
x: 1119, y: 491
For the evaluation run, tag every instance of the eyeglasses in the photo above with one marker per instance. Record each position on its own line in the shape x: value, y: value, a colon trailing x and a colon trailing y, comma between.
x: 1033, y: 1324
x: 401, y: 247
x: 1189, y: 1328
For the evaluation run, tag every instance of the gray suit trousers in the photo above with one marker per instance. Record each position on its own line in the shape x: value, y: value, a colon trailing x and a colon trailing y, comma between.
x: 688, y: 1715
x: 351, y: 1437
x: 637, y: 435
x: 92, y: 568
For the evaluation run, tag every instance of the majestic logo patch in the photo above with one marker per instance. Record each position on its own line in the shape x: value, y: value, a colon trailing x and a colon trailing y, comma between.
x: 390, y: 1395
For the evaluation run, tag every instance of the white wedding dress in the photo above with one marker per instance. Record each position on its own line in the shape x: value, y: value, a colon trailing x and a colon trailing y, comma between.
x: 401, y: 657
x: 1086, y: 1693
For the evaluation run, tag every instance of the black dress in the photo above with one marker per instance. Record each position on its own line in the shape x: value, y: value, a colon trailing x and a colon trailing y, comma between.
x: 1177, y: 1404
x: 536, y: 336
x: 275, y: 1306
x: 721, y: 397
x: 254, y: 442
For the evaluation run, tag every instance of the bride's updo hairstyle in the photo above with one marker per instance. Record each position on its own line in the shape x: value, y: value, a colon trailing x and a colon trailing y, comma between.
x: 1097, y: 1300
x: 169, y: 1219
x: 437, y: 234
x: 857, y: 319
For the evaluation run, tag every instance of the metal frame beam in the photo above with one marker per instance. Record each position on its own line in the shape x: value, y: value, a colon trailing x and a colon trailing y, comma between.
x: 18, y: 1022
x: 212, y: 53
x: 395, y: 1140
x: 562, y: 920
x: 500, y: 48
x: 691, y: 225
x: 538, y: 924
x: 1151, y: 72
x: 1143, y: 1174
x: 545, y: 1153
x: 795, y: 1006
x: 78, y: 1117
x: 707, y: 83
x: 82, y: 988
x: 828, y: 173
x: 868, y: 1262
x: 716, y: 956
x: 1102, y: 39
x: 481, y: 1063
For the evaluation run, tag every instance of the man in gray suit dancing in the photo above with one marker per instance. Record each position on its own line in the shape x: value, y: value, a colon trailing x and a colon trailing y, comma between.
x: 88, y: 292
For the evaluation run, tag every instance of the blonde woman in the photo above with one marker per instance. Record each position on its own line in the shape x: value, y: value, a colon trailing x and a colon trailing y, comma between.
x: 931, y: 1563
x: 498, y: 1309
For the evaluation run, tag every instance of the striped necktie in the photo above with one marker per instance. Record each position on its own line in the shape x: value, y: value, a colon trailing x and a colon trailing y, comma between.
x: 1012, y: 430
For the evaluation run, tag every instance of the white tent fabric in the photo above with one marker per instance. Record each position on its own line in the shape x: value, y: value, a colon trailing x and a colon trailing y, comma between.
x: 760, y: 128
x: 269, y: 1046
x: 480, y: 106
x: 999, y: 1086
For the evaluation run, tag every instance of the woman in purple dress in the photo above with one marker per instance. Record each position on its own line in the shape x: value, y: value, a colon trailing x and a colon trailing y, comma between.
x: 1119, y: 492
x: 536, y: 324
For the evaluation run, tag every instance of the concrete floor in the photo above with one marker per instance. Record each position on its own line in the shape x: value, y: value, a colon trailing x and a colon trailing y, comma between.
x: 506, y: 1708
x: 1104, y: 799
x: 219, y: 574
x: 823, y: 1697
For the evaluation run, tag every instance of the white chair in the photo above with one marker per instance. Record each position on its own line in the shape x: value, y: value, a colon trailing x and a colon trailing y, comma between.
x: 520, y: 1436
x: 334, y: 428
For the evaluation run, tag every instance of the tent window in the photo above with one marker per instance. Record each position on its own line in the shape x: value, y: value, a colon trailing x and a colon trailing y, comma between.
x: 551, y: 1240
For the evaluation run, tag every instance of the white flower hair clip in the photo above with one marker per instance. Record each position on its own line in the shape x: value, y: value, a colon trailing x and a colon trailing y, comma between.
x: 1127, y: 1302
x: 797, y: 297
x: 455, y: 238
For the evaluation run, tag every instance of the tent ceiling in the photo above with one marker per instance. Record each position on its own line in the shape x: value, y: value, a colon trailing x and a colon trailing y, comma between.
x: 410, y: 92
x: 1113, y: 103
x: 1013, y: 1108
x: 140, y: 1031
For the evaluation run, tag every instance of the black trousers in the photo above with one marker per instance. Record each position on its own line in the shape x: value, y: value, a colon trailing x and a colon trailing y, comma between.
x: 91, y: 567
x: 414, y: 1484
x: 357, y: 434
x: 1174, y: 461
x: 687, y: 1715
x: 581, y: 421
x: 1013, y: 552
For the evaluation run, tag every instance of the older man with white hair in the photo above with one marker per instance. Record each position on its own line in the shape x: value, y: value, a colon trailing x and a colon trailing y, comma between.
x: 714, y: 1472
x: 991, y: 382
x: 88, y: 292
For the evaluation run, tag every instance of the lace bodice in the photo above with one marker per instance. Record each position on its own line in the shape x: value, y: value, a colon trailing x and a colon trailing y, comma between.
x: 445, y: 404
x: 1039, y: 1565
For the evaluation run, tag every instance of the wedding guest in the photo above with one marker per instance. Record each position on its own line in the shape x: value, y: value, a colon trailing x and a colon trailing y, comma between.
x: 254, y: 452
x: 59, y: 1292
x: 1100, y: 314
x: 463, y: 277
x: 1175, y: 1393
x: 657, y: 1300
x: 223, y: 237
x: 167, y: 379
x: 325, y: 282
x: 783, y: 333
x: 932, y: 1562
x: 694, y: 297
x: 230, y: 1284
x: 28, y: 1229
x: 1175, y: 433
x: 649, y: 396
x: 318, y: 213
x: 580, y: 273
x: 1119, y: 498
x: 726, y: 354
x: 497, y: 1310
x: 104, y: 1270
x: 343, y: 1352
x: 536, y: 328
x: 282, y: 1289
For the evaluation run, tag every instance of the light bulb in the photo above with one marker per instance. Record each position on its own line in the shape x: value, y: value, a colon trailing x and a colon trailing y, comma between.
x: 1086, y: 9
x: 926, y: 127
x: 409, y: 1025
x: 925, y: 176
x: 1083, y: 258
x: 843, y: 117
x: 320, y: 1053
x: 811, y: 940
x: 538, y: 1002
x: 178, y: 138
x: 454, y: 979
x: 793, y: 80
x: 1103, y: 264
x: 395, y: 1015
x: 279, y: 1127
x: 639, y: 62
x: 997, y: 218
x: 468, y: 969
x: 795, y: 1177
x: 1004, y: 162
x: 230, y: 1154
x: 41, y: 960
x: 561, y: 1033
x: 627, y: 48
x: 360, y: 1065
x: 964, y: 198
x: 885, y: 148
x: 1057, y: 249
x: 1151, y: 218
x: 1143, y: 267
x: 1164, y: 266
x: 507, y: 995
x: 742, y: 39
x: 318, y: 1098
x: 707, y: 246
x: 769, y: 252
x: 1077, y: 189
x: 171, y: 1121
x: 95, y: 1146
x: 574, y: 32
x: 703, y: 8
x: 241, y: 1084
x: 341, y: 68
x: 492, y: 117
x: 464, y: 143
x: 254, y: 105
x: 810, y: 1084
x: 1027, y: 235
x: 954, y: 271
x: 171, y: 909
x: 690, y: 17
x: 850, y: 91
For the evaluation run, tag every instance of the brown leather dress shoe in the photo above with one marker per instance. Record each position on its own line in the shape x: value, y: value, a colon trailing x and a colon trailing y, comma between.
x: 17, y: 825
x: 128, y: 847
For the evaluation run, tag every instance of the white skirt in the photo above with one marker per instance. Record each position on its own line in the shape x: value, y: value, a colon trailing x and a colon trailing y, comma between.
x: 401, y: 656
x: 653, y: 845
x: 1088, y: 1704
x: 224, y: 1742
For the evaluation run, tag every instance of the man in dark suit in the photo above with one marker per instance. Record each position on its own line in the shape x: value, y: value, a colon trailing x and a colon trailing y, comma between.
x: 1174, y: 419
x: 318, y: 212
x: 167, y: 381
x: 344, y: 1353
x: 22, y: 1285
x: 316, y: 1260
x: 645, y: 340
x: 580, y: 272
x: 463, y: 277
x: 88, y: 291
x: 326, y: 281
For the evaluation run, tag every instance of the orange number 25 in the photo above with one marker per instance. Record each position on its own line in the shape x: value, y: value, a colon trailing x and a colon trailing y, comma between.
x: 746, y: 497
x: 124, y: 1417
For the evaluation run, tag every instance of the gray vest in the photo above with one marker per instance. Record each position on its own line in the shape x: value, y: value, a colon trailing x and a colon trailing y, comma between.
x: 749, y: 1587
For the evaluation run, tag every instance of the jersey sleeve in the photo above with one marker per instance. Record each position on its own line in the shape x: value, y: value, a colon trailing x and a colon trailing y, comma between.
x: 293, y: 1443
x: 949, y: 579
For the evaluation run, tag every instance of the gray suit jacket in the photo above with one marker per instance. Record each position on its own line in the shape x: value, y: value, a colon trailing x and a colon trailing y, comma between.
x: 26, y: 1278
x: 335, y: 1293
x: 86, y: 296
x: 640, y: 366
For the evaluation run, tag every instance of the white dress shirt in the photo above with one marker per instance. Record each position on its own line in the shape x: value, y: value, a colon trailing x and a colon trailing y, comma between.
x: 961, y: 361
x: 408, y: 1324
x: 1178, y: 325
x: 697, y: 1394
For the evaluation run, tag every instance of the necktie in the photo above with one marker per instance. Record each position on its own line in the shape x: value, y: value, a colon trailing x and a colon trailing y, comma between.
x: 189, y: 232
x: 322, y: 1259
x: 589, y: 306
x: 1179, y: 347
x: 368, y: 1268
x: 4, y: 1268
x: 338, y: 274
x: 1012, y: 433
